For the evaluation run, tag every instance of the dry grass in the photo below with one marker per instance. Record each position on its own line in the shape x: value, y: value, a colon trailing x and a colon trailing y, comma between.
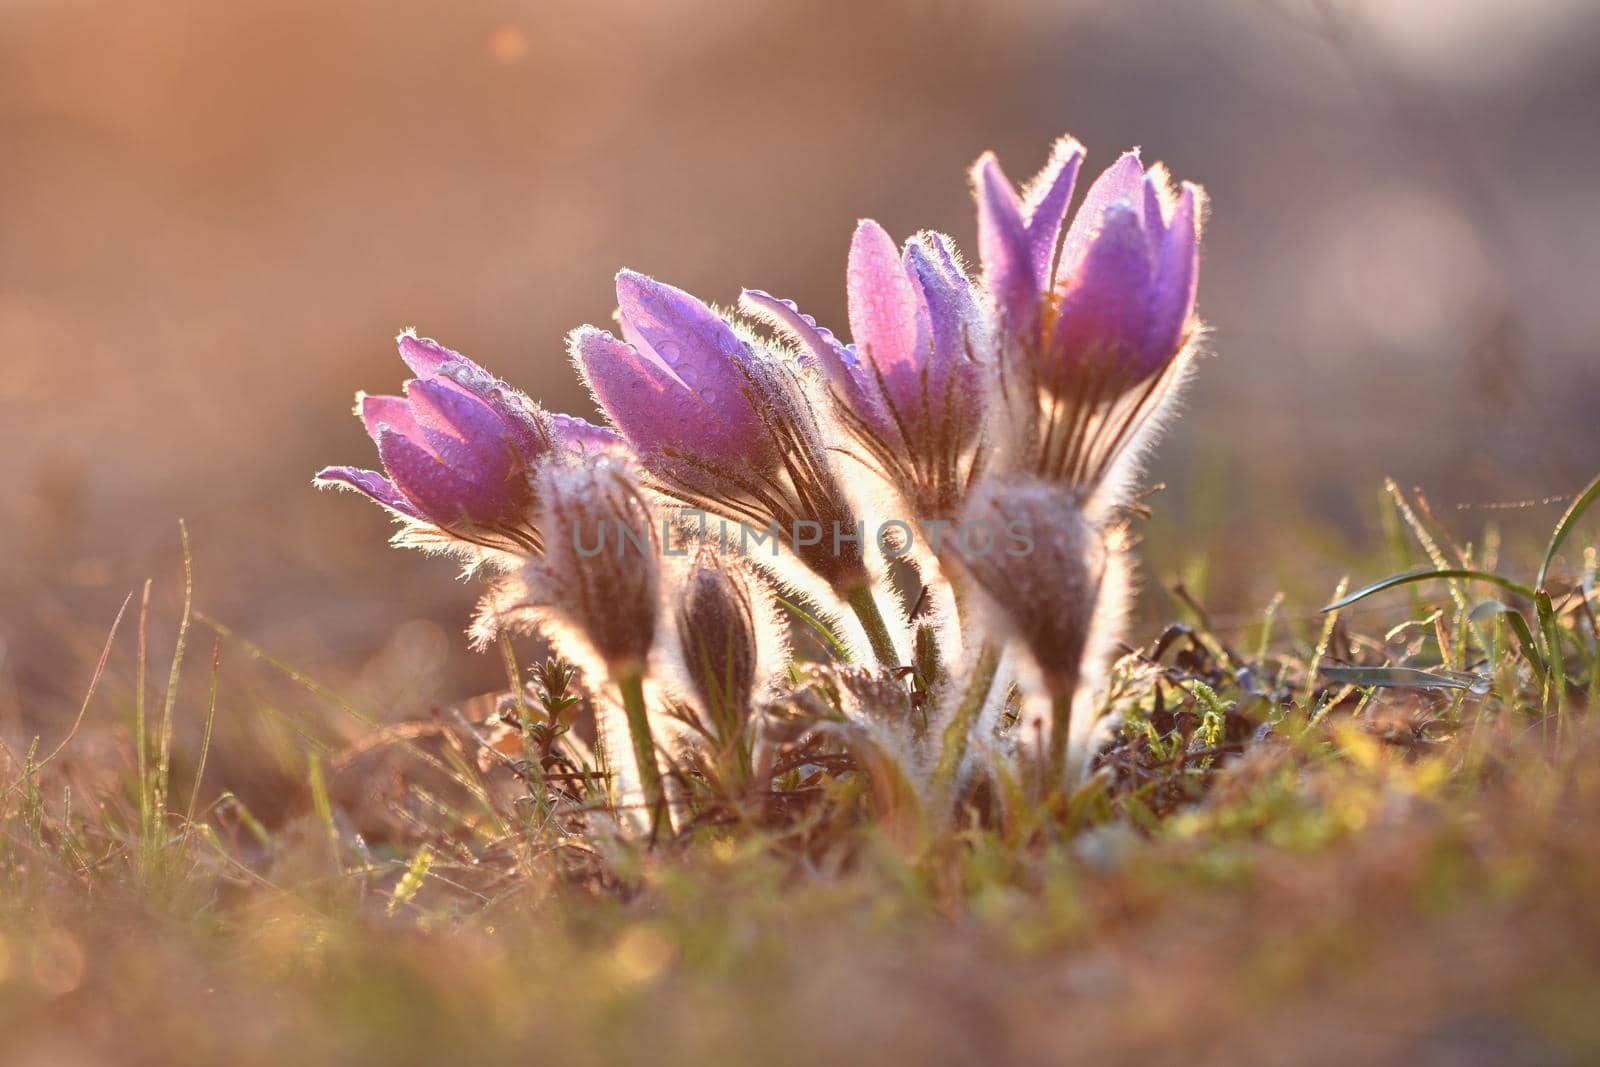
x: 1279, y: 862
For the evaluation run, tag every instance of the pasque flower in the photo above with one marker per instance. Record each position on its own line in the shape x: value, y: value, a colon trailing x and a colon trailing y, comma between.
x: 732, y: 643
x: 1089, y: 335
x: 1123, y: 287
x: 595, y: 591
x: 460, y: 448
x: 727, y: 425
x: 1018, y: 403
x: 909, y: 387
x: 1126, y: 282
x: 1044, y: 587
x: 681, y: 386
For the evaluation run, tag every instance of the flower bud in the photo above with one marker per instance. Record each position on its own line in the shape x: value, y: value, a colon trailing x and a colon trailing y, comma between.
x: 1028, y: 546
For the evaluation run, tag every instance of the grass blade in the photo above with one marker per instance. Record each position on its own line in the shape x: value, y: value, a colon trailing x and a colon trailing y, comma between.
x: 1564, y: 527
x: 1430, y: 575
x: 1402, y: 678
x: 170, y: 702
x: 83, y: 709
x: 1519, y: 629
x: 822, y: 629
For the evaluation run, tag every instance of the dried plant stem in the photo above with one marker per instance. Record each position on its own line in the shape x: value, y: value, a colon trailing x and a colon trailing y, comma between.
x: 953, y: 747
x: 866, y: 609
x: 631, y: 685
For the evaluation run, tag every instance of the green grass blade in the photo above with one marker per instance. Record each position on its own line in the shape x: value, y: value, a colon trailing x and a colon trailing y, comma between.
x: 169, y: 703
x: 205, y: 741
x: 822, y: 629
x: 1402, y: 678
x: 1519, y: 629
x: 1551, y: 627
x: 1430, y: 575
x: 1564, y: 527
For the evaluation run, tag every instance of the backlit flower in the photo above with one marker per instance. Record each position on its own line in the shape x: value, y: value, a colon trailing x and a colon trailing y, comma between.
x: 909, y: 387
x: 459, y: 449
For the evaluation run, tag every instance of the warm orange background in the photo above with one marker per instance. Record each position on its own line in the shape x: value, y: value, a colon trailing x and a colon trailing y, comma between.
x: 214, y: 217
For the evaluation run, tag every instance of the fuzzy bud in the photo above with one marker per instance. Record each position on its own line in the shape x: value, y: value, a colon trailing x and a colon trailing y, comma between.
x: 1028, y: 546
x: 599, y: 578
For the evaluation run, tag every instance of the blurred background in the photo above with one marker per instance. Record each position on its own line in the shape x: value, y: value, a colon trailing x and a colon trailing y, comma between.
x: 215, y: 217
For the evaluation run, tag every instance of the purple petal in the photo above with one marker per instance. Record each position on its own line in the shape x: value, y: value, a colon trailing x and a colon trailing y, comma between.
x: 657, y: 412
x: 953, y: 382
x: 1045, y: 205
x: 425, y: 356
x: 887, y: 320
x: 818, y: 346
x: 855, y: 386
x: 1104, y: 312
x: 462, y: 431
x: 1176, y: 273
x: 952, y: 305
x: 522, y: 419
x: 440, y: 493
x: 370, y: 483
x: 1004, y: 248
x: 1122, y: 181
x: 688, y: 338
x: 391, y: 411
x: 580, y: 435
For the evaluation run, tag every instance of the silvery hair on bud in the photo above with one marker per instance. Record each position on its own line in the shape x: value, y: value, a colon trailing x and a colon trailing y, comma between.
x: 731, y: 639
x: 595, y: 590
x: 1041, y: 574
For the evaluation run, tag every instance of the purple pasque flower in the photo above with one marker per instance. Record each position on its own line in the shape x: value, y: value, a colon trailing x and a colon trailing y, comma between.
x: 720, y: 422
x: 679, y: 384
x: 1017, y: 234
x: 910, y: 387
x: 1125, y: 285
x: 458, y: 448
x: 917, y: 325
x: 915, y: 321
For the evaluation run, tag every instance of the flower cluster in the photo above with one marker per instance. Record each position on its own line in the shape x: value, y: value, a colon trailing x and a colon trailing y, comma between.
x: 1008, y: 403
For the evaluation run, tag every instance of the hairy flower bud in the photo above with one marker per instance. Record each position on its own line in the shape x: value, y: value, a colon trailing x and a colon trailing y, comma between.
x: 730, y: 639
x: 597, y: 583
x: 1039, y: 561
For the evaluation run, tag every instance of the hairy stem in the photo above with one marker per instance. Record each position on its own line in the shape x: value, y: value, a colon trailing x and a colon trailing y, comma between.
x: 1055, y: 771
x: 953, y: 747
x: 866, y: 609
x: 631, y: 685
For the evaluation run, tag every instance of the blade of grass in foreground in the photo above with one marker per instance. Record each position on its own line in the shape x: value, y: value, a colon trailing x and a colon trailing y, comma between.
x: 822, y: 629
x: 1429, y: 575
x: 1404, y: 678
x: 1564, y: 527
x: 170, y: 701
x: 83, y: 709
x: 1519, y: 629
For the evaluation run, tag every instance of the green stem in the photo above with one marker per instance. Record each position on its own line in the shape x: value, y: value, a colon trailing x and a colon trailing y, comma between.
x: 866, y: 609
x: 1060, y: 727
x: 953, y: 747
x: 631, y: 685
